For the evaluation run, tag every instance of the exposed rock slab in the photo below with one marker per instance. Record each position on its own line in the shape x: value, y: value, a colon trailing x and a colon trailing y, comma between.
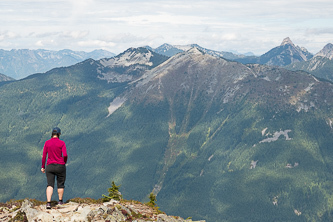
x: 109, y: 211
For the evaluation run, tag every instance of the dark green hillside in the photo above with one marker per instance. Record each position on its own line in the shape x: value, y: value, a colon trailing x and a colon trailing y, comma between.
x: 29, y: 107
x: 73, y: 98
x: 214, y: 139
x: 218, y: 182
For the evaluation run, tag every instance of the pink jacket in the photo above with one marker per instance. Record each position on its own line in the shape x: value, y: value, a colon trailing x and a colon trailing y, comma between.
x: 55, y: 150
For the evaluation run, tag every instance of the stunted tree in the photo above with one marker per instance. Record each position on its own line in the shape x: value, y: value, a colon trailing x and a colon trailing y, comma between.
x: 152, y: 199
x: 113, y: 193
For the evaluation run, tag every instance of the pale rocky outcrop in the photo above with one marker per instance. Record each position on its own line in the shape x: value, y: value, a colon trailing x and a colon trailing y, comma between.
x: 112, y: 211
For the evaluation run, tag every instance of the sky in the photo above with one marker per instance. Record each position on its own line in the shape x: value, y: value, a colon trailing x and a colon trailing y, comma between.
x: 223, y: 25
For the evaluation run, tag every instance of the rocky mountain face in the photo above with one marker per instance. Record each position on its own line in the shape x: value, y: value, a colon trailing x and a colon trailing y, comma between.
x: 129, y: 65
x: 326, y: 52
x: 214, y: 139
x: 111, y: 211
x: 321, y: 65
x: 285, y: 54
x: 23, y: 62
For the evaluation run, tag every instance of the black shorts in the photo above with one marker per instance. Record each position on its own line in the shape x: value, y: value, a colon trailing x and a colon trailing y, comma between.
x: 58, y: 170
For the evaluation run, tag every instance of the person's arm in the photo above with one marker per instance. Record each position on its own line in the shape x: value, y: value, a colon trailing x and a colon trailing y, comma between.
x: 64, y: 153
x: 44, y: 158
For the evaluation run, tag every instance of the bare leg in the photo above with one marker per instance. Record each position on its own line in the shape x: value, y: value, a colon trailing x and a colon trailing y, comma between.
x: 60, y: 193
x: 49, y: 192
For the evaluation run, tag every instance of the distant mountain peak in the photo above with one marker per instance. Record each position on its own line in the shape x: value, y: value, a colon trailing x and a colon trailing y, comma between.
x: 129, y: 65
x: 4, y: 78
x: 130, y: 57
x: 195, y: 50
x: 287, y: 41
x: 166, y: 45
x: 19, y: 63
x: 327, y: 51
x: 285, y: 54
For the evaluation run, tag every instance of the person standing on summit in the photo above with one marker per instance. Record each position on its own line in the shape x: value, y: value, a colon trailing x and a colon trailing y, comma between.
x: 56, y: 153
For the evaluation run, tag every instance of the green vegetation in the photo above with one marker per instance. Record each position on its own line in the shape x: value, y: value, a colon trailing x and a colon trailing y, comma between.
x: 20, y: 216
x: 152, y: 200
x: 113, y: 193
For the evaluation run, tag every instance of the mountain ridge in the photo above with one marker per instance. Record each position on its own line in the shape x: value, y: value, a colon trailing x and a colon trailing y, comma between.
x: 285, y: 54
x: 327, y: 51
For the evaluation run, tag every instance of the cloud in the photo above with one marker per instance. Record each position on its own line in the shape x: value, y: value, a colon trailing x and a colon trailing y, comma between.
x: 96, y: 44
x: 241, y: 25
x: 130, y: 38
x: 161, y: 18
x: 46, y: 43
x: 74, y: 34
x: 5, y: 35
x: 42, y: 35
x: 319, y: 31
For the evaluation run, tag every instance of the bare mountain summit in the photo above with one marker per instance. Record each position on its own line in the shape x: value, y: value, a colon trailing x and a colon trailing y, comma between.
x: 327, y: 51
x: 287, y: 41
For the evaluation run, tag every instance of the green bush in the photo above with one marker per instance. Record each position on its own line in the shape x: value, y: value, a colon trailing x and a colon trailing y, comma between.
x: 113, y: 193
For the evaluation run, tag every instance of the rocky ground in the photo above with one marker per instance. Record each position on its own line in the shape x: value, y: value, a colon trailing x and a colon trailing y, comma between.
x: 32, y: 210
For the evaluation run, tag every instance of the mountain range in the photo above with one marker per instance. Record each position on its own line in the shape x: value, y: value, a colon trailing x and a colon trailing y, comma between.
x: 287, y: 55
x: 214, y: 139
x: 171, y: 50
x: 19, y: 63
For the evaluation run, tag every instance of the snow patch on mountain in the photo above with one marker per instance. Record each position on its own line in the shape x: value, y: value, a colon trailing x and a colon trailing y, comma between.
x: 309, y: 87
x: 115, y: 104
x: 276, y: 136
x: 266, y: 78
x: 330, y: 123
x: 263, y: 131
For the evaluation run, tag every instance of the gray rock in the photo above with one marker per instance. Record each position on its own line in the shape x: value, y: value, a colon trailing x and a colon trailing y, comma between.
x: 165, y: 218
x: 118, y: 215
x: 112, y: 211
x: 29, y: 212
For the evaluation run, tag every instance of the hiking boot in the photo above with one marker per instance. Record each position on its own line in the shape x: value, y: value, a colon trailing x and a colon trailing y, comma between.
x: 60, y: 202
x: 48, y: 205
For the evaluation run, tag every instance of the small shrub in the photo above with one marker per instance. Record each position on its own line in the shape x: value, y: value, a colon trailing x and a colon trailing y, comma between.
x: 152, y: 199
x: 113, y: 193
x: 20, y: 216
x: 152, y: 203
x: 138, y: 215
